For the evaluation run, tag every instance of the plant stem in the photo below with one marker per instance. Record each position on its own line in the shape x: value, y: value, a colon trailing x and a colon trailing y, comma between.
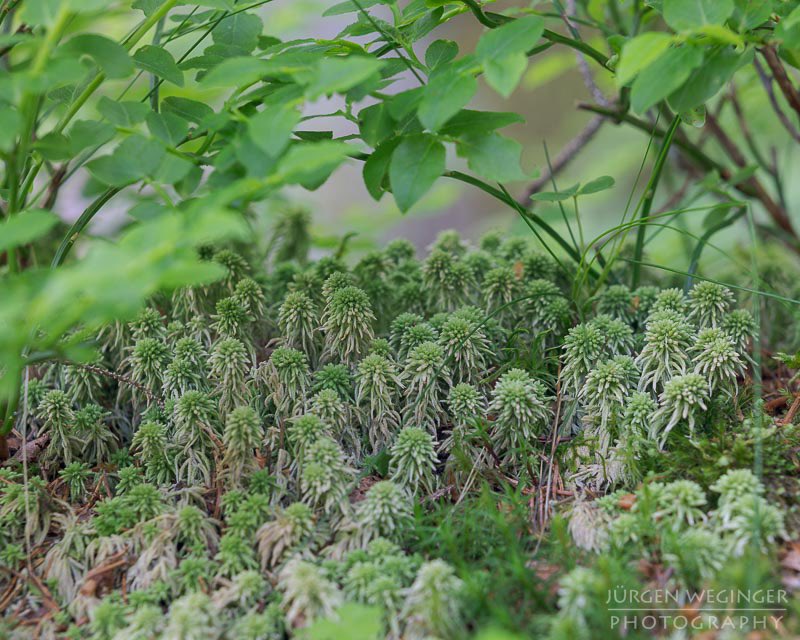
x: 494, y: 20
x: 87, y: 93
x: 649, y: 195
x: 80, y: 224
x: 749, y: 188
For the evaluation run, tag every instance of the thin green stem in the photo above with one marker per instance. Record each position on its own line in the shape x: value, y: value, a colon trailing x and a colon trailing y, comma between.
x: 649, y: 196
x: 98, y: 80
x: 494, y: 20
x: 80, y: 224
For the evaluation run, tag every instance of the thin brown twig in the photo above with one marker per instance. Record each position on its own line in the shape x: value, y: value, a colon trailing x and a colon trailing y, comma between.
x: 583, y: 63
x: 120, y: 378
x: 766, y: 81
x: 774, y: 209
x: 781, y: 77
x: 567, y: 154
x: 792, y: 412
x: 749, y: 187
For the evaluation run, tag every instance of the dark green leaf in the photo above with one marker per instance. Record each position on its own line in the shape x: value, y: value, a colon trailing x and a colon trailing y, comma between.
x: 752, y: 13
x: 492, y: 156
x: 172, y: 169
x: 134, y: 159
x: 336, y: 75
x: 159, y: 62
x: 503, y: 52
x: 54, y: 147
x: 240, y: 31
x: 440, y: 52
x: 416, y: 164
x: 467, y: 121
x: 639, y: 52
x: 235, y: 72
x: 375, y: 123
x: 707, y: 79
x: 190, y: 110
x: 664, y: 76
x: 595, y: 186
x: 444, y: 96
x: 122, y: 114
x: 89, y: 133
x: 377, y: 166
x: 167, y: 127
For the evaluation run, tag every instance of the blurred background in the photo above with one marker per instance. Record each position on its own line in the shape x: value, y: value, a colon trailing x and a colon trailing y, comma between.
x: 547, y: 98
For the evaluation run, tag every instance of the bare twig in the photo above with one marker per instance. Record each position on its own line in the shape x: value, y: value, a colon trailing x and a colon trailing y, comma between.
x: 775, y: 210
x: 781, y: 77
x: 749, y: 187
x: 784, y: 119
x: 120, y: 378
x: 787, y: 419
x: 583, y: 63
x: 566, y: 156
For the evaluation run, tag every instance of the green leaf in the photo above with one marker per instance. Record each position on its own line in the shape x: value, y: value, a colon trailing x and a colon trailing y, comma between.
x: 353, y: 621
x: 190, y: 110
x: 664, y: 76
x: 375, y: 123
x: 504, y: 74
x: 685, y: 15
x: 148, y: 7
x: 167, y: 127
x: 159, y: 62
x: 271, y: 128
x: 122, y: 114
x: 89, y: 133
x: 556, y: 196
x: 639, y: 52
x: 25, y: 227
x: 54, y: 147
x: 602, y: 183
x: 492, y: 156
x: 517, y: 36
x: 707, y: 79
x: 753, y: 13
x: 134, y: 159
x: 235, y: 72
x: 503, y: 52
x: 111, y: 57
x: 240, y: 31
x: 39, y: 12
x: 440, y: 53
x: 336, y: 75
x: 377, y: 166
x: 467, y: 121
x: 416, y: 164
x: 444, y: 96
x: 172, y: 169
x: 10, y: 123
x: 788, y: 29
x: 307, y: 163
